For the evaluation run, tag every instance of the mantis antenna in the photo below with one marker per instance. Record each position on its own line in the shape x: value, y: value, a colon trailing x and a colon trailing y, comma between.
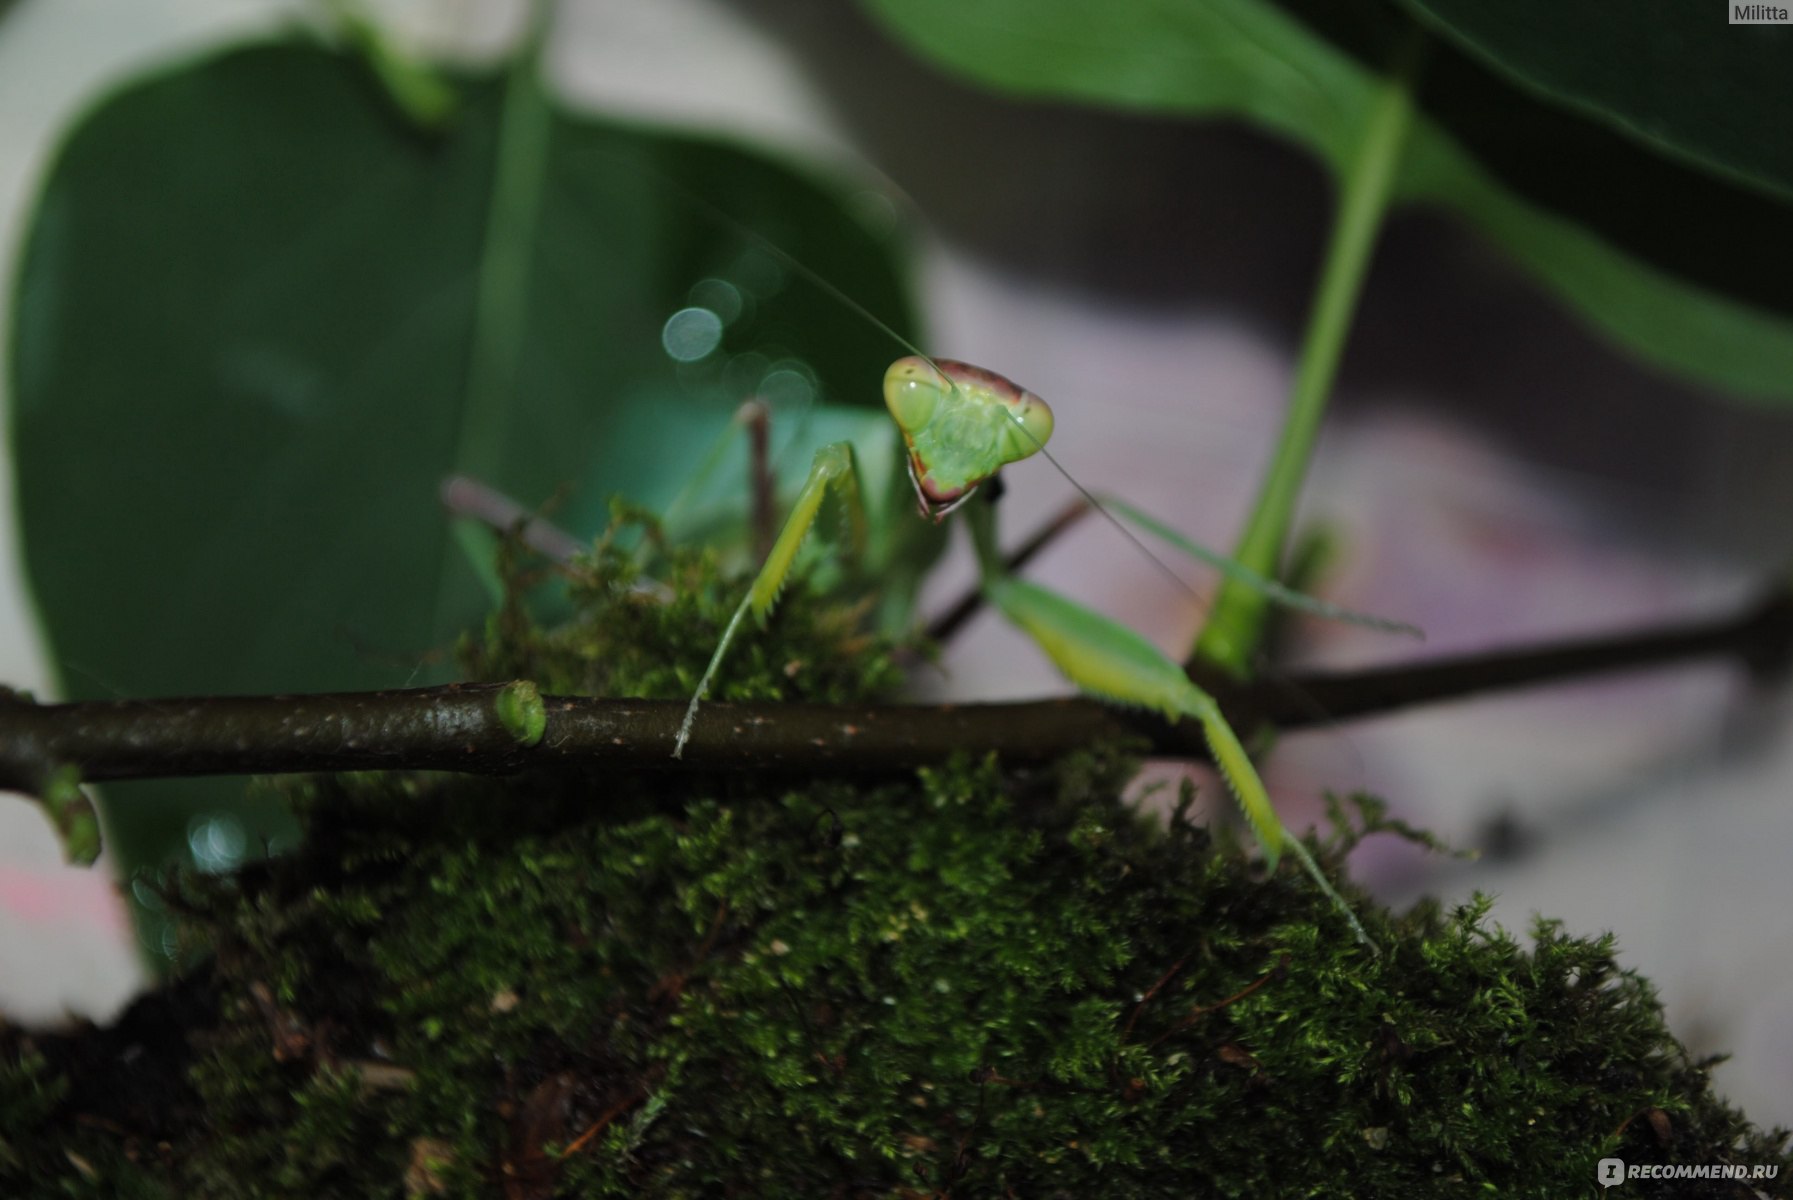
x: 1269, y: 587
x: 836, y: 293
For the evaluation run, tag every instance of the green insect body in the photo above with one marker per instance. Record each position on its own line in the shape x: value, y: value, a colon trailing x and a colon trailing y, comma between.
x: 962, y: 424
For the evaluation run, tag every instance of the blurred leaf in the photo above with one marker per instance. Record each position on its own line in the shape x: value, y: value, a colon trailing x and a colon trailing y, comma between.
x: 1684, y: 268
x: 1677, y: 74
x: 252, y: 307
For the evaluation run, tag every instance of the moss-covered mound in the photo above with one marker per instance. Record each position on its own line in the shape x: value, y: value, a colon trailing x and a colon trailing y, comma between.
x: 966, y: 982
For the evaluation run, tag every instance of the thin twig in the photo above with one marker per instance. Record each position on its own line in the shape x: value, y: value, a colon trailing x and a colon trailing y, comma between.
x: 1198, y: 1011
x: 464, y: 496
x: 464, y: 728
x: 598, y: 1126
x: 1760, y: 637
x: 758, y: 419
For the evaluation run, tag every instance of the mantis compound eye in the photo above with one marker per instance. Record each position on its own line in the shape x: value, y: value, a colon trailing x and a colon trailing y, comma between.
x: 1033, y: 417
x: 913, y: 389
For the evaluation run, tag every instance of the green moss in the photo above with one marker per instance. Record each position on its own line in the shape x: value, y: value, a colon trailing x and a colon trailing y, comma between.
x: 636, y: 635
x: 968, y: 982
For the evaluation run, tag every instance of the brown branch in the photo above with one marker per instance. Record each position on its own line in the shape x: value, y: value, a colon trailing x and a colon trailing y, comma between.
x: 465, y: 727
x: 456, y: 728
x: 1760, y: 638
x: 464, y: 496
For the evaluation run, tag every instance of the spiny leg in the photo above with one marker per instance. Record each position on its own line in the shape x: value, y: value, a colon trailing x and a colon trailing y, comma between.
x: 1242, y: 780
x: 832, y: 467
x: 1108, y: 660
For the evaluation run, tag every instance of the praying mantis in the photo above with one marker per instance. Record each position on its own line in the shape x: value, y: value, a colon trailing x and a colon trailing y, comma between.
x: 960, y: 425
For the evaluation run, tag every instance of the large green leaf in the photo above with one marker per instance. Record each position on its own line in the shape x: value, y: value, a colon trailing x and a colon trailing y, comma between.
x: 1675, y: 73
x: 1685, y: 268
x: 260, y: 318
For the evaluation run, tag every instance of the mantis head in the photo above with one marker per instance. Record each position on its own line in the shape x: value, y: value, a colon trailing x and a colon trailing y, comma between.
x: 961, y: 425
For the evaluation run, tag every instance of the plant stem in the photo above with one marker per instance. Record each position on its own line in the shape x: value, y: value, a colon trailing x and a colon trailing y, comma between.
x: 1230, y: 639
x: 465, y: 728
x: 501, y: 303
x: 501, y: 306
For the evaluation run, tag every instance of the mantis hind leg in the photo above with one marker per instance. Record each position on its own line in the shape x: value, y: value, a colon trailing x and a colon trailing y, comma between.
x: 1110, y: 661
x: 832, y: 469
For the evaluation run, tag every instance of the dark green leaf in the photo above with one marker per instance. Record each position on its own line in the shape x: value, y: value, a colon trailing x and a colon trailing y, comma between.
x: 1684, y: 268
x: 260, y: 319
x: 1676, y: 74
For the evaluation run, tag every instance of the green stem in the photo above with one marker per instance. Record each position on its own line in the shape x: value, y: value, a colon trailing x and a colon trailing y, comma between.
x: 1235, y: 626
x: 501, y: 304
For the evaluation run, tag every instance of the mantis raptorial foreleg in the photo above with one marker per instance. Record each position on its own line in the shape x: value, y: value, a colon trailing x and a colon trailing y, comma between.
x: 831, y: 469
